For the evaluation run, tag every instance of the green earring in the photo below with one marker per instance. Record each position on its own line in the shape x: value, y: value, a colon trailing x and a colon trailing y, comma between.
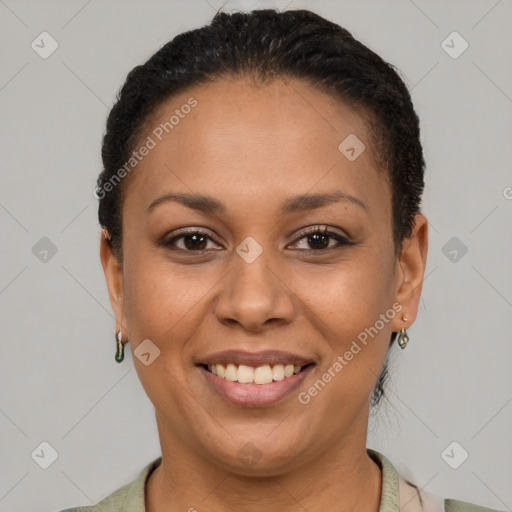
x: 403, y: 339
x: 120, y: 347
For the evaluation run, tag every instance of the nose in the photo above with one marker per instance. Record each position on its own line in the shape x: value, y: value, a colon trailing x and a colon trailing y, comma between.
x: 255, y: 295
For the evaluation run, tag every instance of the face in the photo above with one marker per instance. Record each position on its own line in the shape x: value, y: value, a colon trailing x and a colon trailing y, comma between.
x: 240, y: 276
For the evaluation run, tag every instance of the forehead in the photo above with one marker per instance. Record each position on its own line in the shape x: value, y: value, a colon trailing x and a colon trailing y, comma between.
x: 251, y: 142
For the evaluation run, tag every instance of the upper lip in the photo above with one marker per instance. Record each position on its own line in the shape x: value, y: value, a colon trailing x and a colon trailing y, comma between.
x: 255, y: 359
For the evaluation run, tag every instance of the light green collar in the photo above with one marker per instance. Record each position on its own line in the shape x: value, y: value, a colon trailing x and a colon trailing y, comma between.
x: 398, y: 495
x: 134, y: 493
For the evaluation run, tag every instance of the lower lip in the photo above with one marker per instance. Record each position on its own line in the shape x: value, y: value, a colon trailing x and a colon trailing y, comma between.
x: 255, y: 395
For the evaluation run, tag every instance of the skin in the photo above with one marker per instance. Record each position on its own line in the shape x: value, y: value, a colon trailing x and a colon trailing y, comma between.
x: 252, y: 147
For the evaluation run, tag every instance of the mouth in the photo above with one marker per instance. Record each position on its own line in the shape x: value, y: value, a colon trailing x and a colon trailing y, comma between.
x: 259, y: 375
x: 255, y: 379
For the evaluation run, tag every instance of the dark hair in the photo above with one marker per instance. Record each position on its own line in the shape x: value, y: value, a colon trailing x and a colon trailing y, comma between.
x: 264, y: 45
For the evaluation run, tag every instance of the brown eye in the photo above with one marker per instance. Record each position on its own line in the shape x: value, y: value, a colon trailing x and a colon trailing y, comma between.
x: 194, y: 240
x: 318, y: 240
x: 197, y: 241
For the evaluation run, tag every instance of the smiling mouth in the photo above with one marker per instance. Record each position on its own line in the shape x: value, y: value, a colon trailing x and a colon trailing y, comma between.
x: 264, y: 374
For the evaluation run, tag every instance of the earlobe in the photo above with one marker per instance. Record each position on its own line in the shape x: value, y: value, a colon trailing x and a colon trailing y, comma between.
x: 412, y: 263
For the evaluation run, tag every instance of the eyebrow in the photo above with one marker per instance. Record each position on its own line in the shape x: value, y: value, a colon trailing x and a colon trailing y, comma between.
x: 300, y: 203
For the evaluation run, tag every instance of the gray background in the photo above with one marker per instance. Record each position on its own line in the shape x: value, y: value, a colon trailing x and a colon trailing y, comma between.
x: 59, y: 382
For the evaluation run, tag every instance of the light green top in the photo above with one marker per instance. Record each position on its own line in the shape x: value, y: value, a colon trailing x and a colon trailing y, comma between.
x: 398, y: 495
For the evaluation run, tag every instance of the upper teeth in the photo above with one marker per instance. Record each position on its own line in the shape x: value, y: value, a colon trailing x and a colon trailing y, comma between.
x: 249, y: 375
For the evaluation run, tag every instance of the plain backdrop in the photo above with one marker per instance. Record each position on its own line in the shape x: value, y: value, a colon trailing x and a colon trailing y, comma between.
x: 59, y: 383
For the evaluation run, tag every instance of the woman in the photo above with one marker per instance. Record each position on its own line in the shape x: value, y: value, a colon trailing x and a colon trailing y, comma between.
x: 263, y: 248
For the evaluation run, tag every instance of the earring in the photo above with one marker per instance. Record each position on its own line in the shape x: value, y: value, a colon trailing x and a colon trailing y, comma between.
x: 120, y: 347
x: 403, y: 339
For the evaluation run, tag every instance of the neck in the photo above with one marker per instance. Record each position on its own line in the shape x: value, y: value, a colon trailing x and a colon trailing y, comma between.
x: 344, y: 478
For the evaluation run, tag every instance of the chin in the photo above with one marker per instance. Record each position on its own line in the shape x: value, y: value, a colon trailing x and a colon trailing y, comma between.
x: 257, y: 456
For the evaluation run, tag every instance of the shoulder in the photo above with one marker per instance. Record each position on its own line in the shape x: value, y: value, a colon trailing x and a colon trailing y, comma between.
x: 114, y: 502
x: 419, y: 500
x: 129, y: 497
x: 452, y: 505
x: 398, y: 492
x: 423, y: 501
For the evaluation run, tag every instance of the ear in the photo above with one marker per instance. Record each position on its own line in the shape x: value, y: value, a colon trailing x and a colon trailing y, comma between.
x: 114, y: 279
x: 409, y: 271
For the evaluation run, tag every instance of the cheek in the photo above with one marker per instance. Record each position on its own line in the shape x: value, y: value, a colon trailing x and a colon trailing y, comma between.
x: 159, y: 296
x: 347, y: 304
x: 161, y: 305
x: 350, y: 296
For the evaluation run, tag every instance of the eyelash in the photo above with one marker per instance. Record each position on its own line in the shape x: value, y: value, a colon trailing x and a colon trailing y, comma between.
x: 342, y: 240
